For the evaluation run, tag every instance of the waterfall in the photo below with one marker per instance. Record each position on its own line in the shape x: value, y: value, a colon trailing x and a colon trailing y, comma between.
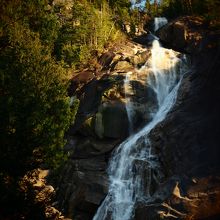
x: 129, y: 104
x: 159, y: 22
x: 133, y: 165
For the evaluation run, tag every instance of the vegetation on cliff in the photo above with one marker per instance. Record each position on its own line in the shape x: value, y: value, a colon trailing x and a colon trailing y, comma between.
x: 41, y: 42
x: 35, y: 110
x: 209, y: 9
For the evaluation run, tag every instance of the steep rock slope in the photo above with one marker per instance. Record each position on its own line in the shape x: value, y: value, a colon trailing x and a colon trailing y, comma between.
x: 101, y: 124
x: 187, y: 142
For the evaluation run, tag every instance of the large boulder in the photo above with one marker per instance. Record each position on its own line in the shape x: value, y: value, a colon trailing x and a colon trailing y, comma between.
x: 123, y: 66
x: 83, y: 184
x: 106, y: 59
x: 140, y: 58
x: 189, y: 34
x: 174, y: 33
x: 111, y: 121
x: 183, y: 198
x: 102, y: 111
x: 90, y: 96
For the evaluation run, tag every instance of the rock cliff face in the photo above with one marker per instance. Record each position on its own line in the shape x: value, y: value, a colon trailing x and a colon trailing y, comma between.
x: 187, y: 142
x: 101, y: 124
x: 189, y: 34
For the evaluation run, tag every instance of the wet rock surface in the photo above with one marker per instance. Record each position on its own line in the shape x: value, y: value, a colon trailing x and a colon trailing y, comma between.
x: 187, y: 142
x: 101, y: 124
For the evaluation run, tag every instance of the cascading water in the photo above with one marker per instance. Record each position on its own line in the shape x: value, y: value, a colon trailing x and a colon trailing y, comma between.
x: 159, y: 22
x: 129, y: 104
x: 133, y: 165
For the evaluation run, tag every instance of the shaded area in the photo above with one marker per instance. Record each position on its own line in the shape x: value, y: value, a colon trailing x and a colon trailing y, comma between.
x: 187, y: 141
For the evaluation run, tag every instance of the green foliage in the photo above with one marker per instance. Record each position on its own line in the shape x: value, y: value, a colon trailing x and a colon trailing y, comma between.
x: 208, y: 8
x: 38, y: 43
x: 89, y: 27
x: 152, y: 7
x: 35, y: 110
x: 121, y: 8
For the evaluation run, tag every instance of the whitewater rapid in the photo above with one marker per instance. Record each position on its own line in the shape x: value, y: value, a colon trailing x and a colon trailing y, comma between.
x: 129, y: 104
x: 159, y: 22
x: 133, y: 166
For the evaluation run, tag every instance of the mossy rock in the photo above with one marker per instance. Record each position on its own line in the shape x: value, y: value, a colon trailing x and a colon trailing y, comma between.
x: 112, y: 121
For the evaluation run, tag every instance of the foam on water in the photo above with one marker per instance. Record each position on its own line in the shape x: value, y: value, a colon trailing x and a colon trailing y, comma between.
x: 132, y: 165
x: 159, y: 22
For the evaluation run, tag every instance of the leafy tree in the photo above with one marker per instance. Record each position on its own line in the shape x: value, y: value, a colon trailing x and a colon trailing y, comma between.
x: 121, y: 10
x: 207, y: 8
x: 89, y: 27
x: 148, y: 7
x: 35, y: 110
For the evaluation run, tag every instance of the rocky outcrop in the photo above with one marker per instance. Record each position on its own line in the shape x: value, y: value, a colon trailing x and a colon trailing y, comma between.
x: 82, y: 186
x: 187, y: 141
x: 123, y: 66
x: 101, y: 124
x: 183, y: 198
x: 102, y: 93
x: 106, y: 59
x: 109, y: 116
x: 189, y: 34
x: 39, y: 195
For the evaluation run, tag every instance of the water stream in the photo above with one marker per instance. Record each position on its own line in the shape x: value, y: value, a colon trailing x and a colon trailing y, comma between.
x: 133, y: 166
x: 129, y: 104
x: 159, y: 22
